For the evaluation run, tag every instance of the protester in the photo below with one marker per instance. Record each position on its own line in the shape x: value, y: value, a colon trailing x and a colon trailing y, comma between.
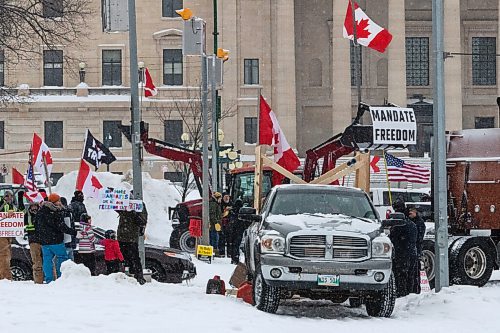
x: 86, y: 243
x: 215, y: 216
x: 77, y: 206
x: 420, y: 225
x: 30, y: 226
x: 112, y: 254
x: 403, y: 236
x: 225, y: 239
x: 130, y: 226
x: 6, y: 205
x: 69, y: 241
x: 51, y: 230
x: 237, y: 228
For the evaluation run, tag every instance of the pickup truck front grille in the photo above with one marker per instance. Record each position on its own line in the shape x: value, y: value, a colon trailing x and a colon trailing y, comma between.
x: 329, y: 247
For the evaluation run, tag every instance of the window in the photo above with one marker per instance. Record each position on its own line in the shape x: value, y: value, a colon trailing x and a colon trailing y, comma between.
x: 243, y: 186
x: 484, y: 122
x: 55, y: 176
x: 168, y: 7
x: 54, y: 134
x: 484, y: 65
x: 114, y: 15
x: 112, y: 134
x: 251, y: 130
x: 417, y: 61
x: 2, y: 69
x: 2, y: 135
x: 53, y: 68
x: 52, y: 8
x: 251, y: 75
x: 111, y: 67
x: 174, y: 176
x: 173, y: 131
x: 172, y: 67
x: 353, y: 65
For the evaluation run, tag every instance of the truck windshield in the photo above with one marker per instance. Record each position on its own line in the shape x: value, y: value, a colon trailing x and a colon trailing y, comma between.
x: 243, y: 187
x: 322, y: 202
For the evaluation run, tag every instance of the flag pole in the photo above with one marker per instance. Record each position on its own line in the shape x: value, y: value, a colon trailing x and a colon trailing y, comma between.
x: 258, y: 114
x: 46, y: 174
x: 387, y: 178
x: 357, y: 57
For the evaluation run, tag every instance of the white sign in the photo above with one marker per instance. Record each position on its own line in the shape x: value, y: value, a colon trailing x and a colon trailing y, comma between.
x: 393, y: 125
x: 115, y: 199
x: 135, y: 205
x: 11, y: 224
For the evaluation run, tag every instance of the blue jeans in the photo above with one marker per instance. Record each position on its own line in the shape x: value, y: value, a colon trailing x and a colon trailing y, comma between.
x: 69, y: 252
x: 49, y: 252
x: 214, y: 239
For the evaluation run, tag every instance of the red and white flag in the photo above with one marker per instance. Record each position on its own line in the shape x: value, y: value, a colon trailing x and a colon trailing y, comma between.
x: 17, y: 177
x: 368, y: 33
x: 87, y: 181
x: 270, y: 133
x: 32, y: 194
x: 40, y: 152
x: 149, y: 86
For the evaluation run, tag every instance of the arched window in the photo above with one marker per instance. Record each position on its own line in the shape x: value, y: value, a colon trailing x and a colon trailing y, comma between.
x: 315, y: 73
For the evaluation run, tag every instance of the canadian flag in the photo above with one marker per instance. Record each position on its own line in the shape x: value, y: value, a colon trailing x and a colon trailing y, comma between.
x: 40, y: 152
x: 17, y: 177
x: 368, y: 33
x: 270, y: 133
x: 87, y: 181
x: 149, y: 86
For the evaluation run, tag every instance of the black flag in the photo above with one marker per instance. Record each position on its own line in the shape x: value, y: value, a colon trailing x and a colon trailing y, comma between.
x: 95, y: 152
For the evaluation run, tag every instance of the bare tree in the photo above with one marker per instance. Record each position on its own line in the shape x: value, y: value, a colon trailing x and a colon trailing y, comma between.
x: 188, y: 109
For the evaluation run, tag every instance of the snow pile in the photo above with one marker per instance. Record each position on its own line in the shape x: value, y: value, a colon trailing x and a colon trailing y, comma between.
x: 70, y: 270
x: 158, y: 194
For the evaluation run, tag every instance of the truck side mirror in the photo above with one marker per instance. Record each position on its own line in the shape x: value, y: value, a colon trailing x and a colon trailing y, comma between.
x: 249, y: 214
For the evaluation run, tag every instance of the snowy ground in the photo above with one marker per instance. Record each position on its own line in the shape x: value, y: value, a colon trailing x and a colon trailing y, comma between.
x: 80, y: 303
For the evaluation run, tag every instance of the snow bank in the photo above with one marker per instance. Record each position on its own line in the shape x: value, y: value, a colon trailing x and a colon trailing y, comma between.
x: 158, y: 194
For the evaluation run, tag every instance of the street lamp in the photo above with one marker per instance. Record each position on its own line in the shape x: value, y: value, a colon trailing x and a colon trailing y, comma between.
x: 108, y: 139
x: 140, y: 64
x: 81, y: 66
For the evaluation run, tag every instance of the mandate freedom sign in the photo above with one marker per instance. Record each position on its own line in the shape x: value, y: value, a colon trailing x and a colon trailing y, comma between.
x: 393, y: 125
x: 11, y: 224
x: 115, y: 199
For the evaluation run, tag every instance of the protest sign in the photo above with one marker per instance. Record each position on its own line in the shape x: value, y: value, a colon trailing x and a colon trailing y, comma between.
x: 11, y: 224
x: 394, y: 125
x: 115, y: 199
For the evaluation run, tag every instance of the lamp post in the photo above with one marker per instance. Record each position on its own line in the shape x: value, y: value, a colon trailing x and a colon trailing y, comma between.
x: 107, y: 142
x: 81, y: 71
x: 140, y: 65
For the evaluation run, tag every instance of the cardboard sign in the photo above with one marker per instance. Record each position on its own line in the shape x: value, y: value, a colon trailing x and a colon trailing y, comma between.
x: 11, y: 224
x: 115, y: 199
x: 204, y: 252
x: 135, y: 205
x: 393, y: 125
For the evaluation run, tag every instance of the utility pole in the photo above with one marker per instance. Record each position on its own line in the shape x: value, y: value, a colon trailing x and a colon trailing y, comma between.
x: 439, y: 150
x: 216, y: 107
x: 206, y: 182
x: 135, y: 115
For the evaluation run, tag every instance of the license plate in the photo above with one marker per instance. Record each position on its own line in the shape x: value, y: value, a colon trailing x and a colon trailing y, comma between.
x: 329, y: 280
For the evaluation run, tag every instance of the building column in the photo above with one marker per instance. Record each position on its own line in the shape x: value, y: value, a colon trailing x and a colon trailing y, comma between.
x: 452, y: 66
x: 341, y: 68
x: 284, y: 99
x: 397, y: 53
x: 498, y: 68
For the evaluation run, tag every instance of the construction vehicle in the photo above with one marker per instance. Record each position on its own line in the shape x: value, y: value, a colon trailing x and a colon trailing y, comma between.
x: 473, y: 173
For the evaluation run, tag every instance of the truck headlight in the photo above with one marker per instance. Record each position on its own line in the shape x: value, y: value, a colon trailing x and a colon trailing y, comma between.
x: 272, y: 244
x: 381, y: 247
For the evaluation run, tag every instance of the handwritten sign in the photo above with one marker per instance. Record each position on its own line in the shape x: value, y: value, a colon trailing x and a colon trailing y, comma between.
x: 11, y: 224
x: 115, y: 199
x: 135, y: 205
x: 393, y: 125
x: 204, y: 252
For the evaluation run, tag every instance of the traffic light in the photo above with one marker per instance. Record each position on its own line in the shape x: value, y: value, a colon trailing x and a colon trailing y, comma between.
x: 223, y: 54
x: 185, y: 13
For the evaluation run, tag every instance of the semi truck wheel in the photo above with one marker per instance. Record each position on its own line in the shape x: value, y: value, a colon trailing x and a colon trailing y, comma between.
x: 429, y: 260
x: 266, y: 298
x: 182, y: 240
x: 471, y: 262
x: 382, y: 303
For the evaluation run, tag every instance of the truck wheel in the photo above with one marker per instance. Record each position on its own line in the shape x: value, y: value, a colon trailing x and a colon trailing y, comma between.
x: 471, y: 262
x: 266, y: 298
x: 355, y: 302
x: 182, y: 240
x: 429, y: 260
x: 382, y: 303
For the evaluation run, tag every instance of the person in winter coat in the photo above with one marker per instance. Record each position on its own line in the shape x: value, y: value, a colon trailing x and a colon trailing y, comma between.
x: 69, y: 241
x: 404, y: 240
x: 112, y: 254
x: 225, y: 240
x: 130, y: 226
x: 6, y: 205
x: 238, y: 228
x: 86, y: 243
x: 420, y: 225
x: 30, y: 226
x: 215, y: 216
x: 51, y: 230
x: 77, y: 206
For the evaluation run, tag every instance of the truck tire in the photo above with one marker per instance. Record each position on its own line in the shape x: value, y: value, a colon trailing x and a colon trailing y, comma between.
x: 429, y: 260
x: 266, y: 298
x: 471, y: 262
x: 182, y: 240
x: 382, y: 303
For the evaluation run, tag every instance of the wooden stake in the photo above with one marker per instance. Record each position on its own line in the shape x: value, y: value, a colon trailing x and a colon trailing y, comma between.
x: 362, y: 180
x: 276, y: 167
x: 257, y: 178
x: 47, y: 179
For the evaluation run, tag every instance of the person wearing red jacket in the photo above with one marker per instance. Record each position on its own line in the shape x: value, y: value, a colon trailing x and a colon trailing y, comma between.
x: 112, y: 254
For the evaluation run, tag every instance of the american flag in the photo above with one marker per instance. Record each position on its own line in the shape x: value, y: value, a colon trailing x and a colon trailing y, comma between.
x: 400, y: 171
x: 32, y: 193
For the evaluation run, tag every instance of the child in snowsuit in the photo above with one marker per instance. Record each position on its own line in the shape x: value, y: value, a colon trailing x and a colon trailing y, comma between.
x: 112, y: 254
x: 86, y: 244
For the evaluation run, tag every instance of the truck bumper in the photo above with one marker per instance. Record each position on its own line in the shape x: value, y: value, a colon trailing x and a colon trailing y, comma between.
x: 303, y: 274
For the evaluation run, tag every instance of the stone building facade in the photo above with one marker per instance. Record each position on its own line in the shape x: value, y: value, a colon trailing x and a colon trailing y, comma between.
x: 291, y: 51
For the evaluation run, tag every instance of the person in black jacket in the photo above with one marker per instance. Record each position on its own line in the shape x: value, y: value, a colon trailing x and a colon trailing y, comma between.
x: 237, y: 228
x: 51, y: 230
x: 420, y: 225
x: 34, y: 241
x: 403, y: 236
x: 77, y: 206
